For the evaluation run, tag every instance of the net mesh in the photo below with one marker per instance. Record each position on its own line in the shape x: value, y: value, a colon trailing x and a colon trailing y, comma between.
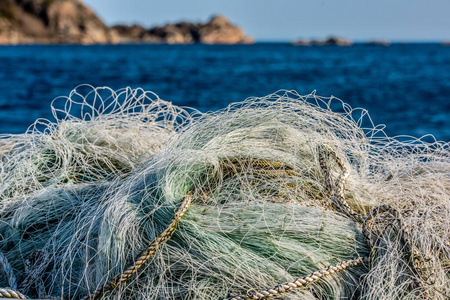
x: 82, y: 196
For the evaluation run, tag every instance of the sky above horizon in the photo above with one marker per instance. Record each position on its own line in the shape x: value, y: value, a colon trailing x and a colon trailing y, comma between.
x: 287, y: 20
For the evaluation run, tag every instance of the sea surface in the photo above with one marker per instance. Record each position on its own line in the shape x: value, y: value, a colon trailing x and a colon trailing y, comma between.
x: 404, y: 86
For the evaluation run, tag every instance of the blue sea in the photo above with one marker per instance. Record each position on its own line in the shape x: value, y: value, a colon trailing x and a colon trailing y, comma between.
x: 404, y: 86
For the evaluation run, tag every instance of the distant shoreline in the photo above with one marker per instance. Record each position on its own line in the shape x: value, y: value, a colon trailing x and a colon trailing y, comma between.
x: 72, y: 22
x: 357, y: 43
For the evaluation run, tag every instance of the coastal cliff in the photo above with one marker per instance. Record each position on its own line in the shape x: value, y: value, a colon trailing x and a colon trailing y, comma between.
x: 50, y: 21
x: 71, y: 22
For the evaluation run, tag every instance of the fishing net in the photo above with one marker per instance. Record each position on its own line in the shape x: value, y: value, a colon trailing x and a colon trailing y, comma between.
x: 127, y: 196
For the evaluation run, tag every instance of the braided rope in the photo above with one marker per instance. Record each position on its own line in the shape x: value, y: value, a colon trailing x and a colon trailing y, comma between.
x: 262, y: 167
x: 341, y: 205
x: 276, y: 173
x: 9, y: 293
x: 258, y: 164
x: 405, y: 239
x: 145, y: 254
x: 8, y: 270
x: 337, y: 193
x: 268, y: 169
x: 300, y: 282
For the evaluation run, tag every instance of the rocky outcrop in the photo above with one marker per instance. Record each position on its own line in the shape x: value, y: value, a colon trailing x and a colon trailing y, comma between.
x: 384, y: 43
x: 218, y: 30
x: 17, y: 25
x: 70, y: 21
x: 332, y: 40
x: 127, y: 34
x: 50, y: 21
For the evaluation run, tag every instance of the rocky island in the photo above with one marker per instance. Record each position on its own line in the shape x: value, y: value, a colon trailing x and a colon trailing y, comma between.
x: 332, y: 40
x: 218, y: 30
x: 72, y: 22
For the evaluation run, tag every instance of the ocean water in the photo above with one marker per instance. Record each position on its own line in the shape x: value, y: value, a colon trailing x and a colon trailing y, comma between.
x: 404, y: 86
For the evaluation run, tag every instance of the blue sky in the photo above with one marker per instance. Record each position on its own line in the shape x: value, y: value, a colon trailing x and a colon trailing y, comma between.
x: 287, y: 20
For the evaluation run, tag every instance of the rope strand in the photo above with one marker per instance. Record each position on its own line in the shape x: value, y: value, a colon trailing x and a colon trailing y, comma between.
x: 12, y: 282
x: 9, y: 293
x: 341, y: 205
x: 145, y: 254
x: 300, y: 282
x: 337, y: 190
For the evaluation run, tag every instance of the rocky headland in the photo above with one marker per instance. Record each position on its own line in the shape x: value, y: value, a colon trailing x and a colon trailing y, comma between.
x: 50, y: 21
x: 71, y: 22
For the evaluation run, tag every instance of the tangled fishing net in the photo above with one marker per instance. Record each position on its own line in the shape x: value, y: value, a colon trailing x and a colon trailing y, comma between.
x: 127, y: 196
